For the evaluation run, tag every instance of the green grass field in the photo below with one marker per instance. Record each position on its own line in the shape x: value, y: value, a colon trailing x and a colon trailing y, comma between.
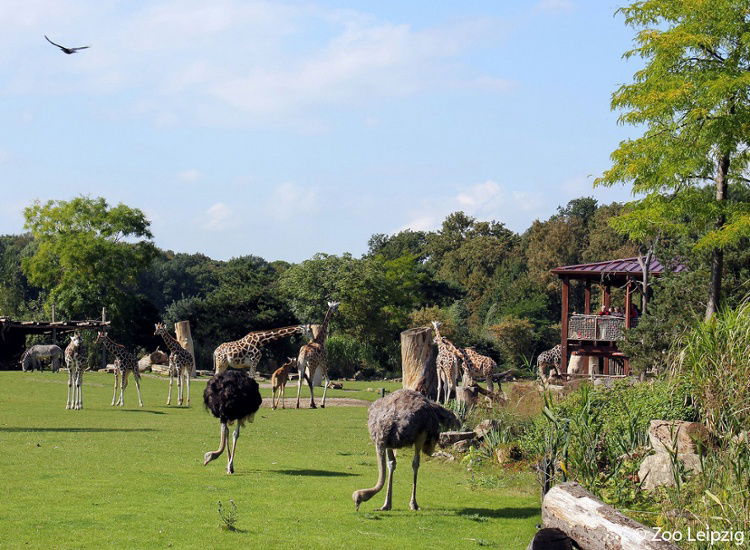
x: 133, y: 478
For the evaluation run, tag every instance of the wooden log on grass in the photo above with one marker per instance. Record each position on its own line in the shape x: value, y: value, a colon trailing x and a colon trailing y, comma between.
x: 418, y: 354
x: 594, y: 525
x: 182, y: 331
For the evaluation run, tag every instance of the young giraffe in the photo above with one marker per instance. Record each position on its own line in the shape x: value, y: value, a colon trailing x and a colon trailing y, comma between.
x: 180, y: 364
x: 124, y: 363
x: 312, y: 356
x: 477, y: 365
x: 279, y: 378
x: 447, y: 365
x: 74, y: 362
x: 245, y: 353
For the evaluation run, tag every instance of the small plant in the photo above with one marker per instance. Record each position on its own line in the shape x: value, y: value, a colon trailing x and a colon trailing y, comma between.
x: 229, y: 516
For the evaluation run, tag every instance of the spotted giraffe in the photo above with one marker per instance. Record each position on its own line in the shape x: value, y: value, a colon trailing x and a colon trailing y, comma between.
x: 180, y: 364
x: 477, y: 365
x: 551, y: 358
x: 447, y: 365
x: 312, y: 356
x: 279, y: 379
x: 74, y: 362
x: 245, y: 353
x: 125, y: 362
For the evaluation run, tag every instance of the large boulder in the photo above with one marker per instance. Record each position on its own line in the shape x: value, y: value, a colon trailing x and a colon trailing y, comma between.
x: 677, y: 435
x: 658, y: 469
x: 485, y: 427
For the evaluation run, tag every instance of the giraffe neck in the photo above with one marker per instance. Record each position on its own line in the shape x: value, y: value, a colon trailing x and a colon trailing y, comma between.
x: 171, y: 342
x: 113, y: 346
x: 323, y: 332
x: 263, y: 337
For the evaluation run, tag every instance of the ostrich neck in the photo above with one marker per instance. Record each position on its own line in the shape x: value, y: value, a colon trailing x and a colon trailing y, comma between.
x: 367, y: 494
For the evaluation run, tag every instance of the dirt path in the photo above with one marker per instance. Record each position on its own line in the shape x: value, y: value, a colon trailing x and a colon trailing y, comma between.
x: 330, y: 402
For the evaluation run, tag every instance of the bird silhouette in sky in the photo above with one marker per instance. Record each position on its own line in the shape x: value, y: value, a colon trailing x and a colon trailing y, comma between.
x: 64, y: 49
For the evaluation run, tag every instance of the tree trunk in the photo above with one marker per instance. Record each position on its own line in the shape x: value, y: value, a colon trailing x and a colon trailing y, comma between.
x: 418, y: 354
x: 717, y: 255
x: 594, y: 525
x: 182, y: 332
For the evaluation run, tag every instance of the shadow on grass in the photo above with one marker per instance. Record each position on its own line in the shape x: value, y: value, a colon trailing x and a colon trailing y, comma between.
x: 74, y: 430
x: 313, y: 473
x: 504, y: 513
x: 142, y: 411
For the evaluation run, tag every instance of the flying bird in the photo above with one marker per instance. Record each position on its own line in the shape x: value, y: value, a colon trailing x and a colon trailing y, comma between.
x: 64, y: 49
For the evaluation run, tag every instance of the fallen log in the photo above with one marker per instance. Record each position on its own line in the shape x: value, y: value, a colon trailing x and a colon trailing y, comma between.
x: 594, y: 525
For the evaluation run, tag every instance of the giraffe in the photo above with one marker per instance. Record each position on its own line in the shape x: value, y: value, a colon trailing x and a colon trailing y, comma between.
x: 279, y: 379
x: 124, y: 362
x: 477, y: 365
x: 312, y: 356
x: 447, y: 364
x: 245, y: 353
x: 180, y: 363
x: 74, y: 362
x: 551, y: 358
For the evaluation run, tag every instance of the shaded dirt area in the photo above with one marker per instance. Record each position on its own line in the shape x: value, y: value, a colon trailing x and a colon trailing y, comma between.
x: 330, y: 402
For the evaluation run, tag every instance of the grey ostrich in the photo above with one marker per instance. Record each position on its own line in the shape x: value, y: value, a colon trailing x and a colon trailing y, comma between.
x: 231, y: 396
x: 402, y: 419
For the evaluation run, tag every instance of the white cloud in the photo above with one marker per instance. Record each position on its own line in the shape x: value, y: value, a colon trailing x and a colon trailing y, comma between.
x: 289, y: 200
x: 237, y: 61
x: 190, y: 176
x: 555, y: 6
x: 218, y: 217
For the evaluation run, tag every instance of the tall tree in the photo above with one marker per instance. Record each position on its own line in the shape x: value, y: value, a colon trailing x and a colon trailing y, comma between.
x: 693, y: 98
x: 88, y: 254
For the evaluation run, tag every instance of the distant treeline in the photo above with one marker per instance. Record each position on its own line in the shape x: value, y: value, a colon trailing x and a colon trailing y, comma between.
x: 490, y: 286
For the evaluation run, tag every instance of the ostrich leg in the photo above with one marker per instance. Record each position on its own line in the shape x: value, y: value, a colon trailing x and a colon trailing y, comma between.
x: 415, y: 467
x: 363, y: 495
x: 230, y: 458
x: 389, y: 489
x: 213, y: 455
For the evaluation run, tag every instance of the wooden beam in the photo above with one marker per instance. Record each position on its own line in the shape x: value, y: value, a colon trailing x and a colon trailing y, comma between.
x: 628, y: 301
x: 564, y: 324
x: 587, y: 298
x: 607, y: 295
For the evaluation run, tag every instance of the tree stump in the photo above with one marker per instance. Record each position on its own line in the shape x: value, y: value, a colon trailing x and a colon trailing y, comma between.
x: 594, y: 525
x: 182, y: 330
x: 418, y: 354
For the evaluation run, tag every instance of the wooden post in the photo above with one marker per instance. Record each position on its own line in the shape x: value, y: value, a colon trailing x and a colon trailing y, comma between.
x: 607, y: 295
x: 184, y: 337
x: 564, y: 325
x: 104, y: 351
x: 594, y: 525
x: 587, y: 298
x: 418, y: 354
x: 54, y: 330
x: 628, y: 301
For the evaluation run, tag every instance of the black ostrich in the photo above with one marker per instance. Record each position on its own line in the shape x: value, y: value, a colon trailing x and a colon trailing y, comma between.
x: 232, y: 396
x: 404, y: 418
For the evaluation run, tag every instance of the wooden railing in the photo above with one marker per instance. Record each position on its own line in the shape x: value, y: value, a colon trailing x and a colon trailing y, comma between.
x: 596, y: 327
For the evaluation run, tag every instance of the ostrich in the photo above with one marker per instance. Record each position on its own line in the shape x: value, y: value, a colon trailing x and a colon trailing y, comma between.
x: 402, y: 419
x: 231, y: 396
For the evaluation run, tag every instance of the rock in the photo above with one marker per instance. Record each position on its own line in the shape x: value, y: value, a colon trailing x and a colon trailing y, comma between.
x: 656, y: 469
x: 336, y: 385
x: 663, y: 434
x: 485, y: 427
x: 442, y: 454
x: 463, y: 445
x: 160, y: 369
x: 508, y: 453
x: 449, y: 438
x: 204, y: 373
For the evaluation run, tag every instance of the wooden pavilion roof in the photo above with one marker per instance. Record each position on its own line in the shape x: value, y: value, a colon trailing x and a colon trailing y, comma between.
x: 622, y: 269
x: 43, y: 327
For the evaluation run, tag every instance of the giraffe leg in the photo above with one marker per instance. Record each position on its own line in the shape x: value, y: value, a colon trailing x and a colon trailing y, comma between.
x: 187, y: 385
x: 179, y: 385
x: 137, y: 378
x: 283, y: 389
x: 312, y: 393
x: 171, y: 379
x: 325, y: 388
x: 79, y: 385
x: 299, y: 383
x: 415, y: 468
x: 213, y: 455
x: 69, y: 404
x: 123, y: 384
x: 117, y: 383
x: 274, y: 391
x: 389, y: 488
x: 235, y: 437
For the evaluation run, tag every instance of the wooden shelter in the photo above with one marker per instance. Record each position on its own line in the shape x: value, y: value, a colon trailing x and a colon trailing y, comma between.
x: 597, y: 335
x: 13, y: 334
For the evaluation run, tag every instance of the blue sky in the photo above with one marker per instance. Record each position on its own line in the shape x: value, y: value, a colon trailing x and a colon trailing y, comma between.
x: 283, y: 129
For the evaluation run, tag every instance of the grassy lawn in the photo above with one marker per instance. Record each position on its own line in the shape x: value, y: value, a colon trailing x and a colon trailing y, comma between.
x: 133, y: 478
